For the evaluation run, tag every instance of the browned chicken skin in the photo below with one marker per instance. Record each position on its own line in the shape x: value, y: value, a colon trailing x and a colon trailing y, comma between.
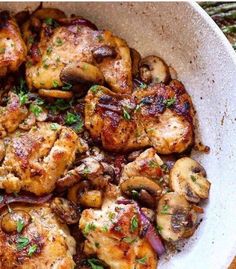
x: 42, y: 242
x: 74, y: 43
x: 12, y: 47
x: 159, y: 116
x: 36, y: 159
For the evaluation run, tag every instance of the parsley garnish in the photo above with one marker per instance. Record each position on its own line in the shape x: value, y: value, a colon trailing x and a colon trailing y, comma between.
x: 100, y: 38
x: 23, y: 98
x: 126, y: 115
x: 55, y: 83
x: 59, y: 42
x: 22, y: 242
x: 143, y: 85
x: 45, y: 65
x: 111, y: 215
x: 86, y: 171
x: 54, y: 126
x: 66, y: 86
x: 133, y: 224
x: 71, y: 118
x: 2, y: 50
x: 129, y: 240
x: 135, y: 194
x: 159, y: 228
x: 169, y: 102
x: 95, y: 264
x: 165, y: 209
x: 31, y: 40
x: 49, y: 50
x: 97, y: 245
x: 105, y: 228
x: 36, y: 109
x: 94, y: 89
x: 88, y: 227
x: 49, y: 21
x: 19, y: 225
x: 142, y: 260
x: 193, y: 178
x: 32, y: 249
x: 153, y: 164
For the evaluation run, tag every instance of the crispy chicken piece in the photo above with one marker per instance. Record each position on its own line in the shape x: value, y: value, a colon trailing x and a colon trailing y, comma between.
x: 12, y: 47
x: 110, y: 230
x: 43, y: 242
x: 160, y: 116
x: 36, y: 159
x: 79, y: 43
x: 12, y: 115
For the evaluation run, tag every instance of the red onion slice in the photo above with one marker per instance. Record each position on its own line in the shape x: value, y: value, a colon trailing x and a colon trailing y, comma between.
x: 10, y: 198
x: 77, y: 21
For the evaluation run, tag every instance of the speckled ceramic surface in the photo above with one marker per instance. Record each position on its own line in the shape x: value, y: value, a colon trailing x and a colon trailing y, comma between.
x: 184, y: 35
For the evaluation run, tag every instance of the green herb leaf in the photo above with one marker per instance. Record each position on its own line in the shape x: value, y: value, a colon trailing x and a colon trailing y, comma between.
x: 19, y: 225
x: 2, y: 50
x: 159, y: 228
x: 169, y: 102
x: 31, y: 40
x: 54, y: 126
x: 165, y: 209
x: 134, y: 224
x: 66, y: 86
x: 94, y: 89
x: 193, y: 178
x: 88, y: 227
x: 129, y: 240
x: 97, y: 245
x: 126, y: 115
x: 153, y: 164
x: 71, y: 118
x: 86, y: 171
x: 100, y: 38
x: 49, y: 21
x: 49, y: 50
x: 142, y: 260
x: 59, y: 42
x: 45, y: 64
x: 32, y: 249
x: 55, y: 83
x: 22, y: 242
x: 143, y: 86
x: 111, y: 215
x: 95, y: 264
x: 23, y: 98
x: 36, y: 109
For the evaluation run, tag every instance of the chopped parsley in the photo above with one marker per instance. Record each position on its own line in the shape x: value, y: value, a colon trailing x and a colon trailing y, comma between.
x: 134, y: 224
x: 95, y: 263
x: 153, y: 164
x: 19, y: 225
x: 135, y: 194
x: 45, y: 64
x: 164, y: 167
x: 54, y: 126
x: 142, y: 260
x: 193, y: 178
x: 49, y: 21
x: 66, y: 86
x: 169, y: 102
x: 97, y: 245
x: 32, y: 249
x: 60, y: 105
x: 71, y: 118
x: 31, y: 40
x: 100, y: 38
x: 88, y: 227
x: 35, y: 109
x: 143, y: 85
x: 22, y: 242
x: 59, y: 42
x: 165, y: 210
x: 105, y: 228
x: 86, y: 171
x: 55, y: 83
x: 129, y: 240
x: 23, y: 98
x: 126, y: 115
x: 159, y: 228
x: 94, y: 89
x: 49, y: 50
x: 111, y: 215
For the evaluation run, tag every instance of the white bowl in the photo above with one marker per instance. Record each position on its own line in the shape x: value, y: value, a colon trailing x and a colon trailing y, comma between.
x: 186, y: 37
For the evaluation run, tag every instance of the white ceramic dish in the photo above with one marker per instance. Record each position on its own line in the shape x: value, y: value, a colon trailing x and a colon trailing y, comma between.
x: 185, y: 36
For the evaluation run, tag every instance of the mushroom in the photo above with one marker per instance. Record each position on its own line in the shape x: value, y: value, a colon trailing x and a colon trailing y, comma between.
x: 10, y: 221
x: 102, y: 52
x: 81, y: 72
x: 135, y: 59
x: 188, y: 177
x: 66, y: 211
x: 142, y: 188
x: 52, y: 13
x: 56, y: 94
x: 80, y: 194
x: 22, y: 16
x: 153, y: 69
x: 175, y: 218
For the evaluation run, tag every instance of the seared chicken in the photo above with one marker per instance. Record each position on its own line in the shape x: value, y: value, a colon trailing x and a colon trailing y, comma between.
x: 36, y: 159
x: 12, y: 115
x: 74, y: 44
x: 159, y: 116
x: 112, y: 233
x: 12, y: 47
x: 31, y: 237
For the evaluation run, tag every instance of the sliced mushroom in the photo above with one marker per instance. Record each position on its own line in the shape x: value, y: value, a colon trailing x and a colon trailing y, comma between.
x: 153, y: 69
x: 81, y: 72
x: 103, y: 52
x: 75, y: 191
x: 142, y: 188
x: 22, y: 17
x: 175, y: 217
x: 56, y: 94
x: 10, y: 221
x: 66, y: 211
x: 45, y: 13
x: 135, y: 58
x: 188, y: 177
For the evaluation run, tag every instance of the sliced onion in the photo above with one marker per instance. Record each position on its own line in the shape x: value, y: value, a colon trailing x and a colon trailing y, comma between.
x: 10, y: 198
x: 77, y: 21
x: 149, y: 232
x: 124, y: 201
